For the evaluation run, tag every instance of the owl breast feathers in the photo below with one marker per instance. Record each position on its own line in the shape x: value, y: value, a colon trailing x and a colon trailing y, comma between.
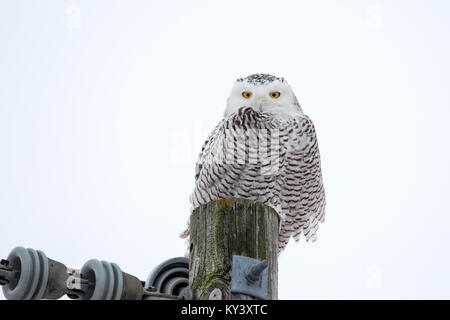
x: 256, y: 156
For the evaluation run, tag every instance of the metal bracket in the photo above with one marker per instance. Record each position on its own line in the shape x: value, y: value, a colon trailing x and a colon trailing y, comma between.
x: 250, y: 276
x: 7, y: 274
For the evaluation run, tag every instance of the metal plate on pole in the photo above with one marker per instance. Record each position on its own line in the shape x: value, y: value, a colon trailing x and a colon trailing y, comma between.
x: 249, y: 276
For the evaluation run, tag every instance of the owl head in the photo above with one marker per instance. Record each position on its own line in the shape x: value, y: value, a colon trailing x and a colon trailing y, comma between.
x: 264, y: 93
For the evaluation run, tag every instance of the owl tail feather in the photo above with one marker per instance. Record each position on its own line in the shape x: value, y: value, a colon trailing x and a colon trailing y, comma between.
x: 185, y: 234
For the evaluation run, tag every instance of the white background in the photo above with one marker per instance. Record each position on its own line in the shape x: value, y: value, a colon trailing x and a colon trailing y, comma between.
x: 104, y: 106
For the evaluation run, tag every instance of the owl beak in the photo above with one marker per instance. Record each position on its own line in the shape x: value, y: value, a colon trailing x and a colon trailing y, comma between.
x: 259, y: 104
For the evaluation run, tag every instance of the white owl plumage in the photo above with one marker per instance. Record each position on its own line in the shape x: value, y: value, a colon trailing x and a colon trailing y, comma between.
x: 265, y: 149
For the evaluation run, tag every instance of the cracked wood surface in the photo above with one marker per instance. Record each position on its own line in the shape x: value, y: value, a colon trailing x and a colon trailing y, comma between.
x: 227, y: 227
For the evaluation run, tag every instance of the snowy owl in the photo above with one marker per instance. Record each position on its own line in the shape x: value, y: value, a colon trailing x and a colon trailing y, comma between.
x: 264, y: 149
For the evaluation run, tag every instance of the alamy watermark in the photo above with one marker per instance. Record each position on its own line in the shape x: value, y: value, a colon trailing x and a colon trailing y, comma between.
x: 374, y: 18
x: 374, y: 277
x: 236, y: 146
x: 73, y: 21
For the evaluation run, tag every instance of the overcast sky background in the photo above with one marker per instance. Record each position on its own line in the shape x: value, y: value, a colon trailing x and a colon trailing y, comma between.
x: 104, y: 106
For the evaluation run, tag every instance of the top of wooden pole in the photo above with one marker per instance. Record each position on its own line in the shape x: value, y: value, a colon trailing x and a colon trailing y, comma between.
x: 227, y: 227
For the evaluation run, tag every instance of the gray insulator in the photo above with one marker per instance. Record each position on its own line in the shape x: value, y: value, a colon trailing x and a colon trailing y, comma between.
x: 170, y: 277
x: 32, y: 266
x: 105, y: 280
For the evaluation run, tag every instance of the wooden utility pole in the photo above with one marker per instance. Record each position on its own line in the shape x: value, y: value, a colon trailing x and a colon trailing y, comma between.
x: 221, y: 229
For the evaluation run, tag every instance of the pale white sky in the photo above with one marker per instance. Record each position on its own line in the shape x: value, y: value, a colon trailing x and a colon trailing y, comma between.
x: 104, y: 106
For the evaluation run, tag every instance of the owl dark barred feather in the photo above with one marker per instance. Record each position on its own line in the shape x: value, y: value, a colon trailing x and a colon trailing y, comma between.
x: 255, y: 156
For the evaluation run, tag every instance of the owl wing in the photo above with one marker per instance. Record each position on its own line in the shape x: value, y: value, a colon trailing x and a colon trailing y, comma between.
x: 302, y: 192
x: 207, y: 148
x: 210, y: 178
x: 215, y: 176
x: 223, y: 170
x: 289, y: 180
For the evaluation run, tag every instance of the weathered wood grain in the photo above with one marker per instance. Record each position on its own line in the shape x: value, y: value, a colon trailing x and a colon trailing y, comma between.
x: 221, y: 229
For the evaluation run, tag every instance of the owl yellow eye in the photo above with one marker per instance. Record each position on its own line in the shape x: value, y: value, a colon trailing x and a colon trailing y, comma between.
x: 274, y: 94
x: 246, y: 94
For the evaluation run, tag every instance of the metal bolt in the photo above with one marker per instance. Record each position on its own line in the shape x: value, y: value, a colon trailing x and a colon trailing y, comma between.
x: 216, y: 294
x: 6, y: 272
x: 256, y: 272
